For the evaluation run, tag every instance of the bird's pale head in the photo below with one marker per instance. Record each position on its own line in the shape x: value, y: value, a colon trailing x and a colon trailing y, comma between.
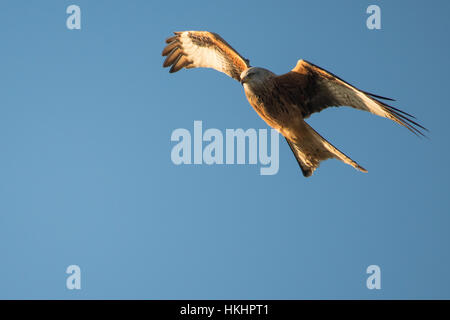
x: 254, y: 76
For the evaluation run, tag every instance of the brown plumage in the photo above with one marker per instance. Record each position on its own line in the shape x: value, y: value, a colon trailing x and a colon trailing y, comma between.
x: 283, y: 101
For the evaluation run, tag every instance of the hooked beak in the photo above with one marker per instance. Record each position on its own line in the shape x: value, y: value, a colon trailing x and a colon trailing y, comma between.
x: 243, y: 80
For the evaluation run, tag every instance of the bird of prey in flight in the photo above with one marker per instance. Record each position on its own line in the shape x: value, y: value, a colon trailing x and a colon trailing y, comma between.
x: 283, y: 101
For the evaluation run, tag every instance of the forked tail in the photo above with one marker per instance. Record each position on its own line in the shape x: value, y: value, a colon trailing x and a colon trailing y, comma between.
x: 310, y: 148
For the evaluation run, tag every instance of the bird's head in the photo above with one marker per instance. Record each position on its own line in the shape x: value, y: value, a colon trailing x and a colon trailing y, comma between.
x: 255, y: 76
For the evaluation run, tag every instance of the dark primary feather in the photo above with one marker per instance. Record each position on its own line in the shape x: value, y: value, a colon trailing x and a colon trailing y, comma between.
x: 174, y: 54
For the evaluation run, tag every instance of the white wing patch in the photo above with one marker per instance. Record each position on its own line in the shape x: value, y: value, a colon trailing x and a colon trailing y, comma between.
x: 205, y: 57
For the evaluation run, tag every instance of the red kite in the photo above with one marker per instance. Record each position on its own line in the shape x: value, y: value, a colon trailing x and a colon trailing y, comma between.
x: 283, y: 101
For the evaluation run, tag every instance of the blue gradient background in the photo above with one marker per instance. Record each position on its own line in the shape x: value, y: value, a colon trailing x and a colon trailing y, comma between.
x: 86, y: 176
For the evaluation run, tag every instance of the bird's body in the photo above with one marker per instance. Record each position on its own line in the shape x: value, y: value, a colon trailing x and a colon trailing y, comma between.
x: 281, y: 107
x: 283, y: 101
x: 259, y: 90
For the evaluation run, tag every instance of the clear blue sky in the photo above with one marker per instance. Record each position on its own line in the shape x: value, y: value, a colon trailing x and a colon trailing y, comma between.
x: 86, y: 177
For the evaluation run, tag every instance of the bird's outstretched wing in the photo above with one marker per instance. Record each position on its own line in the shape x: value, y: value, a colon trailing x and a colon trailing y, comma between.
x: 202, y: 49
x: 313, y: 89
